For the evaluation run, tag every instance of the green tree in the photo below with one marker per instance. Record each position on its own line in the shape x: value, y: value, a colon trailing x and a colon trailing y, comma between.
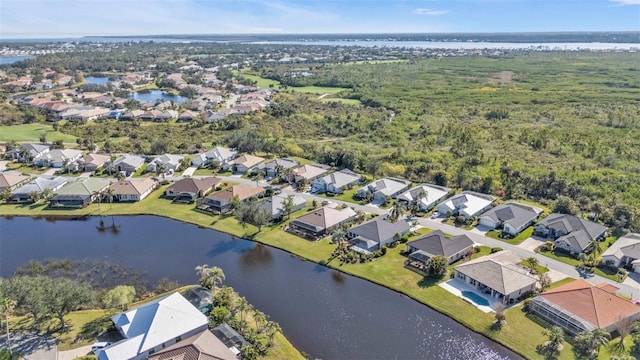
x: 437, y: 266
x: 339, y: 236
x: 119, y: 297
x: 555, y: 334
x: 587, y: 343
x: 287, y: 205
x: 6, y: 307
x: 109, y: 194
x: 625, y: 327
x: 259, y: 216
x: 5, y: 194
x: 396, y: 211
x: 532, y: 263
x: 66, y: 295
x: 35, y: 196
x: 210, y: 277
x: 564, y: 205
x: 219, y: 315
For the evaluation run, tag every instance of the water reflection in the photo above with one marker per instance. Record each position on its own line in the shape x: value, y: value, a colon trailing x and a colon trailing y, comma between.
x: 337, y: 277
x: 258, y: 257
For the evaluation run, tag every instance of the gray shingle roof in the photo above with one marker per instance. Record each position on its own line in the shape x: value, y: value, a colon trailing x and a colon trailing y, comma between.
x: 513, y: 213
x: 498, y: 271
x: 379, y: 229
x: 579, y: 231
x: 435, y: 243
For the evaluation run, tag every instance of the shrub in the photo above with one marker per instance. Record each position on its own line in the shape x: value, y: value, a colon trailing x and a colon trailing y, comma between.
x: 496, y: 249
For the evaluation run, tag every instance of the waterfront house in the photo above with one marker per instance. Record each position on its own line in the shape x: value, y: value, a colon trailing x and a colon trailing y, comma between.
x: 191, y: 189
x: 384, y: 188
x: 581, y: 306
x: 37, y: 185
x: 126, y: 163
x: 202, y: 346
x: 57, y: 158
x: 336, y: 182
x: 467, y: 204
x: 170, y: 162
x: 376, y: 233
x: 134, y: 189
x: 152, y: 327
x: 243, y: 164
x: 274, y: 205
x: 80, y: 193
x: 222, y: 201
x: 498, y: 275
x: 12, y: 180
x: 570, y: 232
x: 436, y: 243
x: 234, y: 341
x: 625, y: 252
x: 511, y: 217
x: 321, y: 222
x: 425, y: 196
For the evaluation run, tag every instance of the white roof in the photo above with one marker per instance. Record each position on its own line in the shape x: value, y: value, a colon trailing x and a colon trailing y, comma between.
x: 152, y: 325
x: 468, y: 202
x: 433, y: 192
x: 628, y: 245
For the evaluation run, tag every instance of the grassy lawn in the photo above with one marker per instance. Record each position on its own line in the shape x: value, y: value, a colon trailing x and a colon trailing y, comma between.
x: 262, y: 82
x: 561, y: 282
x: 568, y: 259
x: 525, y: 234
x: 16, y: 166
x: 344, y: 101
x: 317, y: 89
x: 347, y: 195
x: 32, y: 133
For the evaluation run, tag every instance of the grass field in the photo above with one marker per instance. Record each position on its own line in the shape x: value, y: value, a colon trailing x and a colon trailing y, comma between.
x: 32, y: 133
x: 344, y: 101
x: 266, y: 83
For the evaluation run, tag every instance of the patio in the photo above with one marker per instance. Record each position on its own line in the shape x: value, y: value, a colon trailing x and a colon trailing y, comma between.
x: 469, y: 294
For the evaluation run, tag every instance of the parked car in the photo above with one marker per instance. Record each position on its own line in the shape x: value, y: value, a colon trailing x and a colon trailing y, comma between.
x: 99, y: 346
x: 435, y: 215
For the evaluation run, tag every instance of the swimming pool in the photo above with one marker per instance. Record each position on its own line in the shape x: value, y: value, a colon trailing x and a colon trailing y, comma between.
x: 477, y: 299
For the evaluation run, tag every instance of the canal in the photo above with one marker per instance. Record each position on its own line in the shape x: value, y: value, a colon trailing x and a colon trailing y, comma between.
x: 323, y: 312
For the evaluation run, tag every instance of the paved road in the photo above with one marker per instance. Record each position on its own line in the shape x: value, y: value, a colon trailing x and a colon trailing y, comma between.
x: 32, y: 346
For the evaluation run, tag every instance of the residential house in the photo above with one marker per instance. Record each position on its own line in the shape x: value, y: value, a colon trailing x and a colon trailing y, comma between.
x: 167, y: 115
x: 202, y: 346
x: 12, y: 180
x: 384, y: 188
x: 581, y: 306
x: 134, y: 189
x: 38, y: 185
x: 31, y: 150
x: 243, y: 164
x: 187, y: 116
x: 467, y: 204
x: 200, y: 297
x: 376, y: 233
x: 80, y: 193
x: 499, y: 275
x: 92, y: 162
x: 170, y: 162
x: 337, y: 182
x: 511, y: 217
x: 57, y: 158
x: 127, y: 163
x: 150, y: 115
x: 191, y: 189
x: 234, y: 341
x: 436, y: 243
x: 309, y: 173
x: 275, y: 167
x: 221, y: 201
x: 321, y: 222
x: 569, y: 232
x: 624, y: 252
x: 274, y: 205
x: 425, y: 196
x: 133, y: 114
x: 219, y: 154
x: 153, y: 327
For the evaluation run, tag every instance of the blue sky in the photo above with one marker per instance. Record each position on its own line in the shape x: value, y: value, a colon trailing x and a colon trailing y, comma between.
x: 68, y: 18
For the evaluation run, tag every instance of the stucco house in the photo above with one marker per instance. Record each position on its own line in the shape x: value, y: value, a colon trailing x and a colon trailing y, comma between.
x: 127, y: 163
x: 436, y: 243
x: 512, y: 217
x: 171, y: 163
x: 219, y: 154
x: 321, y: 222
x: 274, y: 205
x: 244, y: 163
x: 467, y: 204
x: 221, y: 201
x: 570, y: 232
x: 38, y: 184
x: 191, y: 189
x: 271, y: 168
x: 309, y: 172
x: 134, y: 189
x: 384, y: 188
x: 33, y: 150
x: 624, y: 252
x: 92, y: 162
x: 581, y: 306
x: 57, y: 158
x: 152, y: 327
x: 80, y: 193
x: 336, y: 182
x: 498, y: 275
x: 376, y: 233
x: 202, y: 346
x: 426, y: 196
x: 12, y: 180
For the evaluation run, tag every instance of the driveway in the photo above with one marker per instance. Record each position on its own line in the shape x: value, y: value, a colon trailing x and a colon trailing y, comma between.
x: 530, y: 244
x: 32, y: 346
x: 74, y: 353
x: 190, y: 170
x: 50, y: 172
x: 3, y: 165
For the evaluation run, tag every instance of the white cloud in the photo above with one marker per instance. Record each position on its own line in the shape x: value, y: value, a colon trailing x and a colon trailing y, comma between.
x: 431, y: 12
x: 626, y: 2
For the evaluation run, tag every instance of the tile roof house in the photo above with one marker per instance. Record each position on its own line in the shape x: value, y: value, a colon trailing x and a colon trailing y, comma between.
x: 274, y: 205
x: 271, y: 168
x: 202, y: 346
x: 499, y: 275
x: 425, y: 195
x: 513, y: 217
x: 190, y: 189
x: 244, y: 163
x: 80, y: 193
x: 92, y: 162
x: 569, y: 232
x: 321, y: 222
x: 34, y: 151
x: 309, y: 172
x: 127, y: 163
x: 57, y: 158
x: 376, y: 233
x: 436, y: 243
x: 624, y: 252
x: 382, y: 188
x: 336, y: 182
x: 221, y: 201
x: 12, y: 180
x: 152, y: 327
x: 581, y: 306
x: 134, y: 189
x: 38, y: 184
x: 187, y: 116
x: 219, y: 154
x: 467, y: 204
x: 171, y: 163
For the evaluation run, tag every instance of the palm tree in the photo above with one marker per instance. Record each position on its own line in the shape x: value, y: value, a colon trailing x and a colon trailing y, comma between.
x: 396, y: 211
x: 339, y: 236
x: 161, y: 169
x: 98, y: 197
x: 599, y: 337
x: 287, y: 205
x: 109, y: 194
x: 596, y: 248
x: 210, y: 277
x: 556, y: 337
x: 6, y: 306
x: 259, y: 177
x: 625, y: 327
x: 596, y: 208
x: 532, y: 262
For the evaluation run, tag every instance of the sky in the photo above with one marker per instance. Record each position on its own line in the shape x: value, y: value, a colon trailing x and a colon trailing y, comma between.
x: 72, y: 18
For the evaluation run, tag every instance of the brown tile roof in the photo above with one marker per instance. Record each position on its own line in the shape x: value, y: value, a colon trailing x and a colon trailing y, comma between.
x: 247, y: 160
x: 242, y: 191
x: 133, y: 187
x: 193, y: 185
x: 8, y: 180
x: 596, y: 304
x: 202, y: 346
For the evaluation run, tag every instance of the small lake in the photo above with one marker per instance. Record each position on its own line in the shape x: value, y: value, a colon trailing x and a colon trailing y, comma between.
x: 323, y: 312
x: 97, y: 80
x: 11, y: 59
x: 151, y: 96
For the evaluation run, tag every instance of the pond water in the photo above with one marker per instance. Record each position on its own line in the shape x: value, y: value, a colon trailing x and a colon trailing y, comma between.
x: 323, y: 312
x: 11, y: 59
x: 151, y: 96
x: 97, y: 80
